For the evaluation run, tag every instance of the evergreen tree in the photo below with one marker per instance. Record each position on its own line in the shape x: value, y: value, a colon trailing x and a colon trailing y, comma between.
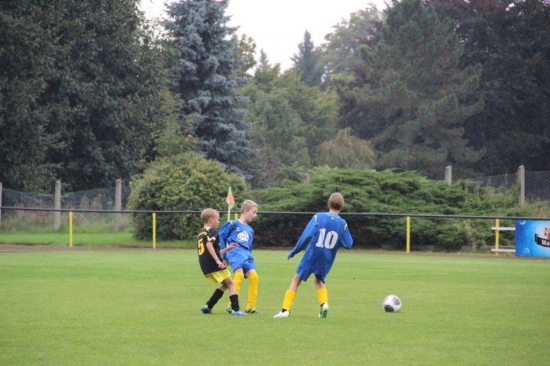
x: 308, y: 62
x: 206, y: 81
x: 411, y: 97
x: 264, y: 60
x: 511, y: 40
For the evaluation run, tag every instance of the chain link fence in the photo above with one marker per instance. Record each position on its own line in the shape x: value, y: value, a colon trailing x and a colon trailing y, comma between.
x: 537, y: 188
x: 103, y: 199
x: 537, y: 184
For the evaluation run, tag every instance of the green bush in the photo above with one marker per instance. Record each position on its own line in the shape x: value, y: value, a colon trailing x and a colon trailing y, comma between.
x: 185, y: 182
x: 386, y: 192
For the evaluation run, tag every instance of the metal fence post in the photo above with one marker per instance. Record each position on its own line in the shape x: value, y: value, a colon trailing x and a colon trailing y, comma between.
x: 118, y: 204
x: 57, y: 214
x: 521, y: 178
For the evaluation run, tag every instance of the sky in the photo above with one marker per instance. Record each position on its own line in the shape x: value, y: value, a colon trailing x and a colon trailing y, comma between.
x: 278, y: 26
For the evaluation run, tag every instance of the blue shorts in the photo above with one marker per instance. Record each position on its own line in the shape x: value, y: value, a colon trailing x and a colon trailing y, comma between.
x: 240, y: 258
x: 304, y: 273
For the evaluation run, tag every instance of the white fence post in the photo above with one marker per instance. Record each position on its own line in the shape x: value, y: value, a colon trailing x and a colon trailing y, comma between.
x: 118, y: 204
x: 521, y: 178
x: 449, y: 174
x: 57, y: 214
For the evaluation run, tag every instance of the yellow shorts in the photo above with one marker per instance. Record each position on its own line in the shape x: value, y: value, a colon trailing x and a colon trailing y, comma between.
x: 218, y: 277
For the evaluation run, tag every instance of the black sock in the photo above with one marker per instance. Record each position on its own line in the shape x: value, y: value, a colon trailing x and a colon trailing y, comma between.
x: 234, y: 302
x: 216, y: 296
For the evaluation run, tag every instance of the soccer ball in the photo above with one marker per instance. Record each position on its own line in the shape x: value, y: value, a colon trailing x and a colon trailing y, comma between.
x: 391, y: 304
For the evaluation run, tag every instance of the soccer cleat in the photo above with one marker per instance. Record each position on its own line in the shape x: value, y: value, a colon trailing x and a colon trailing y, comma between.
x: 229, y: 309
x: 281, y: 314
x: 323, y: 312
x: 206, y: 310
x: 237, y: 313
x: 253, y: 311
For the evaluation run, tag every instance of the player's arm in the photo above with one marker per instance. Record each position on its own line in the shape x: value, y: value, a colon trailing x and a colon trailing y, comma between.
x: 305, y: 238
x: 346, y: 239
x: 228, y: 248
x: 212, y: 251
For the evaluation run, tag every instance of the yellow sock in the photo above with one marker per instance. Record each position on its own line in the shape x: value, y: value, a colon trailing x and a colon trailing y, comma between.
x: 252, y: 290
x: 322, y: 296
x: 290, y: 296
x: 239, y: 276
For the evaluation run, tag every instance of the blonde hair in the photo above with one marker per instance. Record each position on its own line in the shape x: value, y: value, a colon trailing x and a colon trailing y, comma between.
x: 208, y: 213
x: 248, y: 205
x: 336, y: 201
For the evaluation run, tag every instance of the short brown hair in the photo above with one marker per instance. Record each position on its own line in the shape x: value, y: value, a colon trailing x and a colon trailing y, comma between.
x: 208, y: 213
x: 336, y: 201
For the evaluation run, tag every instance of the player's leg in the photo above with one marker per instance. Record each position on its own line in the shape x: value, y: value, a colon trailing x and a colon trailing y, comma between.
x: 239, y: 276
x: 254, y: 279
x: 233, y: 297
x: 322, y: 295
x: 215, y: 278
x: 290, y: 296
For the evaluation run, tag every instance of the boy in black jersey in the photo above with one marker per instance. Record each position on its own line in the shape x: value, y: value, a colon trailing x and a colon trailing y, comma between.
x: 214, y: 269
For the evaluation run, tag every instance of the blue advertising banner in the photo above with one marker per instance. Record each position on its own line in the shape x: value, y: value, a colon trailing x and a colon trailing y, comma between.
x: 533, y: 238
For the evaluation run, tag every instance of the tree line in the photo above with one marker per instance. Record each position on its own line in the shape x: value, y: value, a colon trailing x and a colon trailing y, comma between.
x: 91, y: 92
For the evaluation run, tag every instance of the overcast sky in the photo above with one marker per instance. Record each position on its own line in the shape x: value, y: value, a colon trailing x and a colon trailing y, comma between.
x: 278, y: 26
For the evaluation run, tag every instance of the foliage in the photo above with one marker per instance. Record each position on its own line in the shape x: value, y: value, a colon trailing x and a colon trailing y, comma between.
x: 289, y: 120
x: 346, y: 151
x: 410, y: 97
x: 206, y: 78
x: 79, y: 87
x: 308, y: 62
x: 185, y: 182
x: 26, y: 58
x: 386, y: 192
x: 246, y: 48
x: 511, y: 40
x: 342, y: 50
x: 176, y: 136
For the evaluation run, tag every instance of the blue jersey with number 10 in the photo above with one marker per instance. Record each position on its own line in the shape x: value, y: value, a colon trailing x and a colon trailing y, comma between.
x: 324, y: 233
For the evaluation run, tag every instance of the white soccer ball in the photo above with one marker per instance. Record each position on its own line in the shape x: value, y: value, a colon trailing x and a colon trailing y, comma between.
x: 391, y: 304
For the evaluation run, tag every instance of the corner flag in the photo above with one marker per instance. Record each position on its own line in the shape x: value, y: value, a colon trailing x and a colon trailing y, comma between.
x: 230, y: 199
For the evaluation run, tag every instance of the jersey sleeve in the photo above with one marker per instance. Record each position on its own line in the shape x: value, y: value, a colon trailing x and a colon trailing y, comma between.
x: 347, y: 240
x: 306, y: 237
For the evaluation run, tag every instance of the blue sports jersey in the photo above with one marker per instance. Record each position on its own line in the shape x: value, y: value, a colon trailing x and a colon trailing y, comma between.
x: 325, y: 232
x: 236, y: 232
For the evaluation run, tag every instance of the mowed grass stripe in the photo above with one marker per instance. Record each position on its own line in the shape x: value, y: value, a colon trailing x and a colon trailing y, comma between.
x: 142, y: 307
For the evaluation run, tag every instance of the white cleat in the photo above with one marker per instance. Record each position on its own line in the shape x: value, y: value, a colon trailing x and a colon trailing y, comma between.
x: 282, y: 314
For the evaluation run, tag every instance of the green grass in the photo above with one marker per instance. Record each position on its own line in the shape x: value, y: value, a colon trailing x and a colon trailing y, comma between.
x: 142, y: 308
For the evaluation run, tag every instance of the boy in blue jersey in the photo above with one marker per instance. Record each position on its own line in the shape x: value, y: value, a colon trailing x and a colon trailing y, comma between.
x: 325, y: 232
x: 212, y: 267
x: 240, y: 259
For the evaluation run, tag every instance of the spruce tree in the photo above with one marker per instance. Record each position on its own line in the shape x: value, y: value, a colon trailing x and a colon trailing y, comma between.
x: 205, y: 79
x: 410, y: 98
x: 308, y: 62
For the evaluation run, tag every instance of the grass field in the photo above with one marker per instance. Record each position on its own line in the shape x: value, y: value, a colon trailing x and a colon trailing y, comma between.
x: 141, y: 307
